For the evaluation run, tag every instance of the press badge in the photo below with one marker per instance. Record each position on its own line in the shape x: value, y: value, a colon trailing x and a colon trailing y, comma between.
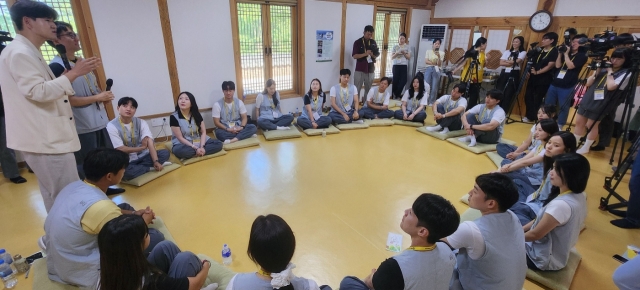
x: 508, y: 70
x: 369, y: 60
x: 316, y: 116
x: 599, y: 95
x: 275, y: 114
x: 347, y: 108
x: 561, y: 74
x: 196, y: 142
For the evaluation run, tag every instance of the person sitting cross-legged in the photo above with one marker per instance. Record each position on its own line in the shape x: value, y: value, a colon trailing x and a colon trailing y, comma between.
x: 413, y: 102
x: 378, y: 102
x: 188, y: 130
x: 230, y: 117
x: 448, y: 110
x: 484, y: 122
x: 269, y: 111
x: 344, y: 101
x: 311, y: 117
x: 487, y: 245
x: 131, y: 135
x: 427, y: 261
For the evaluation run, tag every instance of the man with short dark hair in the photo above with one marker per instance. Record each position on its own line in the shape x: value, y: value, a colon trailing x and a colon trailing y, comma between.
x: 230, y: 117
x: 377, y: 103
x: 344, y: 101
x: 448, y: 109
x: 77, y: 217
x: 131, y: 135
x: 39, y: 120
x: 365, y: 51
x: 484, y: 122
x: 540, y: 75
x: 486, y: 258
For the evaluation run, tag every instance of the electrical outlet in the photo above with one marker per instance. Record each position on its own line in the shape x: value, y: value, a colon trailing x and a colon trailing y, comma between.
x: 157, y: 122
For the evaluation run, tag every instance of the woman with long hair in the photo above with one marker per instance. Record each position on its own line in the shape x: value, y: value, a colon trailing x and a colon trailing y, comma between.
x: 271, y: 247
x: 123, y: 265
x: 512, y: 152
x: 603, y: 96
x: 530, y: 200
x: 433, y: 59
x: 312, y: 116
x: 474, y: 77
x: 550, y: 237
x: 400, y: 55
x: 268, y: 110
x: 413, y: 103
x: 188, y: 130
x: 511, y: 60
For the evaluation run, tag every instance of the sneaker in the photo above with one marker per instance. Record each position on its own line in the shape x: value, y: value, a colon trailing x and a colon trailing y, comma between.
x: 41, y: 244
x: 18, y: 180
x: 526, y: 120
x: 166, y: 163
x: 433, y: 128
x: 229, y: 141
x: 282, y: 128
x: 252, y: 136
x: 358, y: 122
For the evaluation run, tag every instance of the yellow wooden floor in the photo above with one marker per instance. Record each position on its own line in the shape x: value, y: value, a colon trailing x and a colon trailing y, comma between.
x: 341, y: 195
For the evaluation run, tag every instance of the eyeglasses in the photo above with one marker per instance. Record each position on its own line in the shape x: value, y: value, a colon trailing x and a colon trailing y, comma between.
x: 70, y: 35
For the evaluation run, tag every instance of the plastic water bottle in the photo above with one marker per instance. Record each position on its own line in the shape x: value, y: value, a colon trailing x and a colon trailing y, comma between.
x: 226, y: 255
x: 297, y: 111
x: 6, y: 256
x: 6, y: 273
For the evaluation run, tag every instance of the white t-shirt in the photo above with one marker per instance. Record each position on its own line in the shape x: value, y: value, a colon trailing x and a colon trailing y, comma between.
x: 507, y: 54
x: 468, y: 236
x: 444, y: 100
x: 431, y: 56
x: 626, y: 81
x: 116, y: 138
x: 560, y: 210
x: 333, y: 93
x: 423, y: 102
x: 215, y: 111
x: 497, y: 115
x: 374, y: 92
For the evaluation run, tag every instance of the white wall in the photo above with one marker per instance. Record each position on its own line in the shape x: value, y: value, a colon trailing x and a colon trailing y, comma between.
x: 597, y: 8
x: 358, y: 16
x: 486, y: 8
x: 322, y: 15
x: 133, y: 55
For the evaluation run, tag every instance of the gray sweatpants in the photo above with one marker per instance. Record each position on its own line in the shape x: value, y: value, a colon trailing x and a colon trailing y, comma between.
x: 486, y: 137
x: 54, y: 172
x: 362, y: 78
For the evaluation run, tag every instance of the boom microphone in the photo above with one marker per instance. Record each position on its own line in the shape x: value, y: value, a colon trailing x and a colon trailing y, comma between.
x: 63, y: 54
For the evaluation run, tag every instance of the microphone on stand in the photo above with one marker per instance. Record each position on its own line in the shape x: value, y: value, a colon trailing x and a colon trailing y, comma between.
x: 63, y: 54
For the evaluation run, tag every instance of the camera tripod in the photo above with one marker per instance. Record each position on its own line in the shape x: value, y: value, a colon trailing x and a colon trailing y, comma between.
x: 617, y: 177
x: 473, y: 66
x: 578, y: 90
x: 523, y: 79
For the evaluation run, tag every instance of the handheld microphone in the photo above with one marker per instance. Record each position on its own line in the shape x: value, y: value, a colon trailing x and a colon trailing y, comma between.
x: 63, y: 54
x: 109, y: 84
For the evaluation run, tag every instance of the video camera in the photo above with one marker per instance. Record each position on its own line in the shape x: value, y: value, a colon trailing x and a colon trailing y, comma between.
x: 562, y: 48
x: 535, y: 49
x: 600, y: 44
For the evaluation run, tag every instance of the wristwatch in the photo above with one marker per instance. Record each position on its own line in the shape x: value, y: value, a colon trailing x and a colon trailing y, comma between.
x: 471, y: 126
x: 156, y: 161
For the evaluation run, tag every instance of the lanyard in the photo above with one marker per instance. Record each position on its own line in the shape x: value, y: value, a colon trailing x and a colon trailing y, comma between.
x: 124, y: 134
x: 190, y: 125
x: 365, y: 45
x: 601, y: 81
x: 226, y: 111
x: 565, y: 61
x: 449, y: 106
x: 264, y: 273
x: 315, y: 103
x: 545, y: 56
x: 537, y: 192
x: 422, y: 249
x: 271, y: 101
x: 539, y: 149
x: 482, y: 114
x: 344, y: 96
x: 378, y: 99
x: 414, y: 101
x: 566, y: 192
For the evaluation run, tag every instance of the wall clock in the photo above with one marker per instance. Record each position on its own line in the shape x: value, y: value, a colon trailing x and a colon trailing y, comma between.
x: 540, y: 21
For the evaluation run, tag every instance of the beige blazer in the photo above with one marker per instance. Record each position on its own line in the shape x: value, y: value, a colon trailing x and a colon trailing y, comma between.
x: 38, y: 115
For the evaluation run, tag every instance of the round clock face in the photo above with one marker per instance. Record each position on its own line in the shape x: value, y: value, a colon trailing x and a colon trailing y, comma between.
x: 540, y: 21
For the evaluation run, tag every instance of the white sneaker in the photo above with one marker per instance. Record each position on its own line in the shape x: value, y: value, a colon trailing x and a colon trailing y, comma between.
x: 212, y: 286
x: 526, y: 120
x: 465, y: 139
x: 433, y: 128
x: 583, y: 150
x: 252, y: 136
x: 229, y: 141
x: 358, y: 122
x: 282, y: 128
x: 41, y: 244
x: 444, y: 131
x: 166, y: 163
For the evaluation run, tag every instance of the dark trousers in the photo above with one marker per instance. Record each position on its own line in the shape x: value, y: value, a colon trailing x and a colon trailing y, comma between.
x: 182, y: 151
x: 282, y: 121
x: 508, y: 88
x: 504, y: 149
x: 245, y: 133
x: 419, y: 117
x: 607, y: 126
x: 474, y: 95
x: 486, y: 137
x: 537, y: 88
x: 155, y: 236
x: 399, y: 80
x: 168, y: 258
x: 352, y: 283
x: 88, y: 142
x: 337, y: 118
x: 369, y: 113
x: 323, y: 122
x: 7, y: 155
x: 143, y: 164
x: 452, y: 122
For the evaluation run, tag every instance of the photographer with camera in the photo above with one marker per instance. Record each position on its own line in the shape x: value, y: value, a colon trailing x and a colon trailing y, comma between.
x: 473, y: 70
x: 603, y: 95
x: 571, y: 58
x: 509, y: 79
x: 543, y: 61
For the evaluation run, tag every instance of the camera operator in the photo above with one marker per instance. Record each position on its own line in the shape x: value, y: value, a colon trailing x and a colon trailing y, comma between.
x: 597, y: 100
x: 541, y: 74
x: 606, y: 126
x: 474, y: 77
x: 511, y: 59
x: 569, y: 64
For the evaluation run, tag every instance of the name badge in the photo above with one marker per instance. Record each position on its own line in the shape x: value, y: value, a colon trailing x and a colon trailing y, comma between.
x: 369, y: 60
x: 316, y: 116
x: 508, y: 70
x: 231, y: 124
x: 437, y: 69
x: 275, y: 114
x: 347, y: 108
x: 561, y: 74
x: 196, y: 142
x: 598, y: 95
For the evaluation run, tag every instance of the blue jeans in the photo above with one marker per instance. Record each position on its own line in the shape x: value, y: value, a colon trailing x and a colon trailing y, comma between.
x: 141, y: 165
x: 272, y: 124
x: 558, y: 96
x: 433, y: 79
x: 168, y: 258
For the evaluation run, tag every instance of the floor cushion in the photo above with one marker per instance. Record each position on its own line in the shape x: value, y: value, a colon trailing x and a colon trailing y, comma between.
x: 480, y: 147
x: 169, y: 146
x: 557, y: 280
x: 407, y: 123
x: 495, y: 158
x: 352, y: 126
x: 315, y: 132
x: 151, y: 175
x: 251, y: 141
x: 379, y: 122
x: 465, y: 199
x: 450, y: 134
x: 217, y: 273
x: 282, y: 134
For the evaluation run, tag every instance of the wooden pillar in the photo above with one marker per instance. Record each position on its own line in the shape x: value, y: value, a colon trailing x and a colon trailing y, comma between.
x: 165, y: 23
x: 342, y: 35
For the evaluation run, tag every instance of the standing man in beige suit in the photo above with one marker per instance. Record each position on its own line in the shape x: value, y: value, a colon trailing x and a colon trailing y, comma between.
x: 38, y: 117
